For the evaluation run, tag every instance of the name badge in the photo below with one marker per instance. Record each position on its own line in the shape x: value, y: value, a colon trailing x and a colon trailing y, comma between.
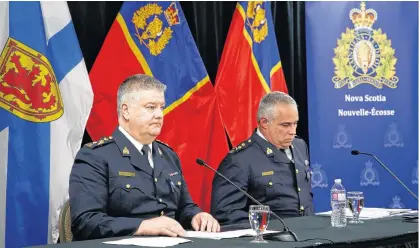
x: 267, y: 173
x: 126, y: 174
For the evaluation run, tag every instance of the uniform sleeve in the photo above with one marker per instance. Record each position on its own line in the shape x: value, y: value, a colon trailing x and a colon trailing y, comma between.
x: 187, y: 209
x: 228, y: 204
x: 88, y: 192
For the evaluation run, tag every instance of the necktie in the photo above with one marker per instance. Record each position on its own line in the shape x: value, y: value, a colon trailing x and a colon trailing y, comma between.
x: 288, y: 153
x: 146, y: 150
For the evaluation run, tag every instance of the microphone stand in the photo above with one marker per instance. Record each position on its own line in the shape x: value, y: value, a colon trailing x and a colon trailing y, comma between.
x: 285, y: 235
x: 355, y: 152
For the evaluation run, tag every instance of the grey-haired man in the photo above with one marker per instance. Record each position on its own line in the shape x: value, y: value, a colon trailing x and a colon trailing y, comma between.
x: 272, y: 166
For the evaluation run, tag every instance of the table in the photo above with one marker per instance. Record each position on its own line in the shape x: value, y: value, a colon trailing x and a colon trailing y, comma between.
x: 385, y: 232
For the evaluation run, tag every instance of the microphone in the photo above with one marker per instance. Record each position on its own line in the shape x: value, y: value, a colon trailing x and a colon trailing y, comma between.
x: 285, y: 235
x: 356, y: 152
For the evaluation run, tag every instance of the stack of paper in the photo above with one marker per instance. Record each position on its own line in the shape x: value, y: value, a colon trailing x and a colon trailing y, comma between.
x: 374, y: 213
x: 170, y: 241
x: 224, y: 235
x: 150, y: 241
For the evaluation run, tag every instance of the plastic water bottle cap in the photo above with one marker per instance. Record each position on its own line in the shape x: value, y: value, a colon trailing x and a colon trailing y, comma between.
x: 338, y: 181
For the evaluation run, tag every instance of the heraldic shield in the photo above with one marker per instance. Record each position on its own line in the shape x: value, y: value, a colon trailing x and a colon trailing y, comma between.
x: 28, y: 86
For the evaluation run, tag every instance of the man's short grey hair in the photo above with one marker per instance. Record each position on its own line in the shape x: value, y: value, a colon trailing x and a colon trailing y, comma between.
x: 133, y: 84
x: 270, y: 100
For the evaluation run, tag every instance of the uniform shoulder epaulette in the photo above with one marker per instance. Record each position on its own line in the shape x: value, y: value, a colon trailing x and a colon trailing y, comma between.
x: 103, y: 141
x: 166, y: 145
x: 242, y: 146
x: 299, y: 138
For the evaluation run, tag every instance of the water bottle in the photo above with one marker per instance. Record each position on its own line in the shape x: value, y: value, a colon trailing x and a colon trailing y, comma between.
x: 338, y: 202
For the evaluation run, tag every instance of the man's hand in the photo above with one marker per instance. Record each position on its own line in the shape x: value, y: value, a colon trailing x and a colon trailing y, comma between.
x: 160, y: 226
x: 205, y: 222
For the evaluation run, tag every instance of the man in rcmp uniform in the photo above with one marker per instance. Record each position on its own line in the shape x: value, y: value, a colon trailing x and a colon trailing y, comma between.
x: 272, y: 166
x: 129, y: 183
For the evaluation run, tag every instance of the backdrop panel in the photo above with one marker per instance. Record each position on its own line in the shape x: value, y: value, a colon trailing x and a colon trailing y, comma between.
x: 362, y: 76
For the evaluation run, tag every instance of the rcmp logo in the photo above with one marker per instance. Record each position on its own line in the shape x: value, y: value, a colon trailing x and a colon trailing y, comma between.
x: 364, y: 55
x: 396, y: 203
x: 415, y: 174
x: 151, y: 30
x: 342, y: 139
x: 28, y: 86
x: 256, y: 20
x: 393, y: 137
x: 369, y: 176
x: 318, y: 177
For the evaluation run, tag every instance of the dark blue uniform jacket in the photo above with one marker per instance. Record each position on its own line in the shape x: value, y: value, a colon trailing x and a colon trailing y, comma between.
x: 267, y: 174
x: 113, y: 188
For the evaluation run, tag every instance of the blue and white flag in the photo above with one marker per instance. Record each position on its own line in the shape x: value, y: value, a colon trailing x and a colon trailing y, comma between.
x: 45, y: 100
x: 362, y: 72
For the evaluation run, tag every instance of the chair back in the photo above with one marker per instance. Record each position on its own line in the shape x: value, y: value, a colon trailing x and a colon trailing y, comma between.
x: 64, y: 224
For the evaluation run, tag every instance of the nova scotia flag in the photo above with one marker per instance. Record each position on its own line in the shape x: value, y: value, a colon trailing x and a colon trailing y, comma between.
x: 45, y: 100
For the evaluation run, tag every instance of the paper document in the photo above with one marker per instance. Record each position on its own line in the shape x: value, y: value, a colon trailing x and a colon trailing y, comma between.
x: 374, y: 213
x: 224, y: 235
x: 150, y: 241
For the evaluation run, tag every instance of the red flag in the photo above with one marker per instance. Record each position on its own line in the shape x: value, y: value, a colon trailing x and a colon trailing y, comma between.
x: 154, y: 38
x: 250, y: 67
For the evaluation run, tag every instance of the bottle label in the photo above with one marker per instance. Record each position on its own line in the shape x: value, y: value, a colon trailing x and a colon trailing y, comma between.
x: 338, y: 197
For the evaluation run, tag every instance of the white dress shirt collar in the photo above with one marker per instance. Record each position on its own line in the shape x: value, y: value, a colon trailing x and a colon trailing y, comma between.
x: 260, y: 134
x: 137, y: 144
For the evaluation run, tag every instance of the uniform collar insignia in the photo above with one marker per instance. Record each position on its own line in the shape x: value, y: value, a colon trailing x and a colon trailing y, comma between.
x: 268, y: 151
x: 125, y: 151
